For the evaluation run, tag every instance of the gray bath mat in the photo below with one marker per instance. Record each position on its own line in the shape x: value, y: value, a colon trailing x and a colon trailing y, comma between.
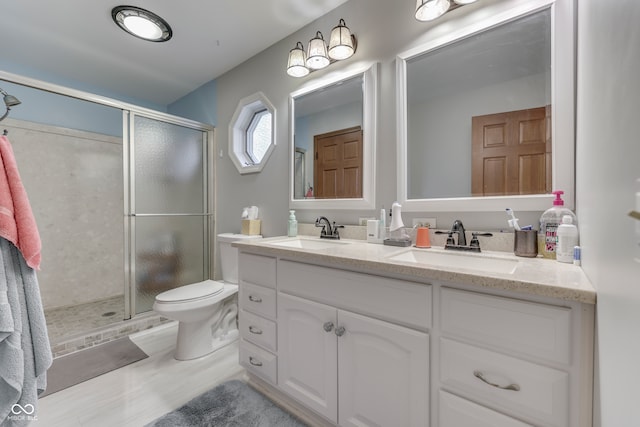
x: 231, y: 404
x: 83, y: 365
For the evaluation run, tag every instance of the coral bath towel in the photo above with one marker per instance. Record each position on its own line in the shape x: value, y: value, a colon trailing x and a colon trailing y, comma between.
x: 17, y: 223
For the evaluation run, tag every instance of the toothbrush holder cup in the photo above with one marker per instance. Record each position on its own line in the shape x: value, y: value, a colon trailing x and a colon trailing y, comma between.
x: 525, y: 243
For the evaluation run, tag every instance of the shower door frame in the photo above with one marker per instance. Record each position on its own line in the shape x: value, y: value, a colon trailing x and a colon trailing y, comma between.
x: 128, y: 108
x: 208, y: 188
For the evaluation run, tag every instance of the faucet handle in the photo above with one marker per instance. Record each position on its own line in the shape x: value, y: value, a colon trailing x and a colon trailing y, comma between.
x: 450, y: 240
x: 475, y: 243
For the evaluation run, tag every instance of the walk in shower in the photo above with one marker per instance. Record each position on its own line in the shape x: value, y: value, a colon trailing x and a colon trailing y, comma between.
x: 123, y: 198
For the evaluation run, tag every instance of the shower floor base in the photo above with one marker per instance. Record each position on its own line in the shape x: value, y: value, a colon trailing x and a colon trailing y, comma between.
x: 74, y: 328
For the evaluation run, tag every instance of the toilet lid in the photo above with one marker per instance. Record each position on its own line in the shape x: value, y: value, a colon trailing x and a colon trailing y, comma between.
x: 191, y: 292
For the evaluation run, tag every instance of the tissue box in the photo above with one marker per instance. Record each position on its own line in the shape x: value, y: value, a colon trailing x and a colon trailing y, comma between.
x: 251, y: 226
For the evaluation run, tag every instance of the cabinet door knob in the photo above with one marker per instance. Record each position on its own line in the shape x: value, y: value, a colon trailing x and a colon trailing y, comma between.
x: 255, y: 330
x: 328, y: 326
x: 255, y: 299
x: 254, y: 362
x: 340, y: 331
x: 480, y: 375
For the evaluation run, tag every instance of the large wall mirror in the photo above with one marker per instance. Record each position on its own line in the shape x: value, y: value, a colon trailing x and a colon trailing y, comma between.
x: 333, y: 142
x: 483, y: 122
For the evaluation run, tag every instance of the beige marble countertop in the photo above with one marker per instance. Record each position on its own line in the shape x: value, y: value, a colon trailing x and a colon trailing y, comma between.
x: 533, y: 276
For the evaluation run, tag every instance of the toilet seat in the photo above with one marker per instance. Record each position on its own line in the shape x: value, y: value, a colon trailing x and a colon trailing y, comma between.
x: 191, y: 293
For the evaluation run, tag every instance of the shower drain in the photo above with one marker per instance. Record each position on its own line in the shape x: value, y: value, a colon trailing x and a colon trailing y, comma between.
x: 108, y: 314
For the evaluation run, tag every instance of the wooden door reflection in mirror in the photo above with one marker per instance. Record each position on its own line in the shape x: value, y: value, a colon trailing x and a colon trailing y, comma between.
x: 338, y: 164
x: 512, y: 153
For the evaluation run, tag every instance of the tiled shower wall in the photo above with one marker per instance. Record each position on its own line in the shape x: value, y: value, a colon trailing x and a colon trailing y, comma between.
x: 74, y: 181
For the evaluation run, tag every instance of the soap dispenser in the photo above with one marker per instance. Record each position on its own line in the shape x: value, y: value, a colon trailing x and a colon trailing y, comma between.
x: 549, y: 222
x: 397, y: 235
x: 293, y: 224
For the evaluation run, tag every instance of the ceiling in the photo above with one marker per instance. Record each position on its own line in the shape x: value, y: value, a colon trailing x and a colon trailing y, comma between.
x: 77, y: 41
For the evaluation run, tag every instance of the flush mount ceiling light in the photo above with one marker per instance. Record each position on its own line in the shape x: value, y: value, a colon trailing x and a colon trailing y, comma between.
x: 342, y: 45
x: 428, y: 10
x: 141, y: 23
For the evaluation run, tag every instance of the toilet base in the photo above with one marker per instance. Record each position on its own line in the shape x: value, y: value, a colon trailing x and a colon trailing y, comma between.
x: 198, y: 339
x: 205, y: 348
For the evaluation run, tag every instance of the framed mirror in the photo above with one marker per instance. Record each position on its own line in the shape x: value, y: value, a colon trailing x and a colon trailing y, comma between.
x: 486, y: 113
x: 333, y: 141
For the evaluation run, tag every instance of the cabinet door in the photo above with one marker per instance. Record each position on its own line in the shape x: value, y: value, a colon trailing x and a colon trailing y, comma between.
x: 307, y: 353
x: 383, y: 372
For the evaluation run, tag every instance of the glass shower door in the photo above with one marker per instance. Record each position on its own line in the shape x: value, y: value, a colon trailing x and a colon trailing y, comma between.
x: 169, y: 211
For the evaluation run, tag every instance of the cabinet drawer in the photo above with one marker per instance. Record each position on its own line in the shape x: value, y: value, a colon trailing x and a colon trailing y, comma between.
x: 258, y: 300
x: 530, y: 329
x: 542, y: 393
x: 258, y: 330
x: 257, y: 269
x: 455, y: 411
x: 394, y: 300
x: 258, y: 361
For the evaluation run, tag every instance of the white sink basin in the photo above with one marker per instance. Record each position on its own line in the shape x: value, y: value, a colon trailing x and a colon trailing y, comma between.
x: 461, y: 260
x: 308, y: 243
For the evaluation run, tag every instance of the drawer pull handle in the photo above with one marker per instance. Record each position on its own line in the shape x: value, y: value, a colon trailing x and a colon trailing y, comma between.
x: 328, y: 326
x: 254, y: 362
x: 255, y: 299
x: 340, y: 331
x: 255, y: 330
x: 480, y: 375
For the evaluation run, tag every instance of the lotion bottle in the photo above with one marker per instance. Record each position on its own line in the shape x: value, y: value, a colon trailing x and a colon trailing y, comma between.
x: 293, y: 224
x: 567, y: 240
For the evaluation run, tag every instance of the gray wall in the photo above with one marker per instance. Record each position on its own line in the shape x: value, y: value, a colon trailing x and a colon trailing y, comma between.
x: 607, y: 167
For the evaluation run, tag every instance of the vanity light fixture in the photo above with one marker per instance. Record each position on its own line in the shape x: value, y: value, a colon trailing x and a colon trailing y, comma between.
x: 428, y: 10
x: 141, y: 23
x: 342, y: 45
x: 317, y: 57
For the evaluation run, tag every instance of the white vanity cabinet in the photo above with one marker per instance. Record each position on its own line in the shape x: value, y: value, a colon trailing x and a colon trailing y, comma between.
x: 342, y: 362
x: 365, y: 349
x: 257, y: 315
x: 517, y: 357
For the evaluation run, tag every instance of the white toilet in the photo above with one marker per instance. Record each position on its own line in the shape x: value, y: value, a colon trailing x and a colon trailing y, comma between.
x: 206, y: 316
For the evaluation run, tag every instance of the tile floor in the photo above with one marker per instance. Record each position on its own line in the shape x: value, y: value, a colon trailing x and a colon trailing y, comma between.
x: 136, y: 394
x: 66, y: 322
x: 77, y: 327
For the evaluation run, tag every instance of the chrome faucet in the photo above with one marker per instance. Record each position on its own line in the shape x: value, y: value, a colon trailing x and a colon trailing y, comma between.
x: 458, y: 227
x: 461, y: 244
x: 328, y: 231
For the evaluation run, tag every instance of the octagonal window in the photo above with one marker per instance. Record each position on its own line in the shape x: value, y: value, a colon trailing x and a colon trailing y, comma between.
x: 251, y: 133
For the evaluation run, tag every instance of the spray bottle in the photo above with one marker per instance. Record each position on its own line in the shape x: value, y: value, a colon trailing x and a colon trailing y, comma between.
x: 549, y: 222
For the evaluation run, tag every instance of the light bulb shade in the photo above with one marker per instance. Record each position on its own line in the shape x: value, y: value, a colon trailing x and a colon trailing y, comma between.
x: 317, y: 53
x: 340, y: 42
x: 141, y: 23
x: 297, y: 63
x: 428, y: 10
x: 463, y: 2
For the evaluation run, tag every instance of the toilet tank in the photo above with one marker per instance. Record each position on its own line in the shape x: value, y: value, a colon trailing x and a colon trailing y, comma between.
x: 229, y: 255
